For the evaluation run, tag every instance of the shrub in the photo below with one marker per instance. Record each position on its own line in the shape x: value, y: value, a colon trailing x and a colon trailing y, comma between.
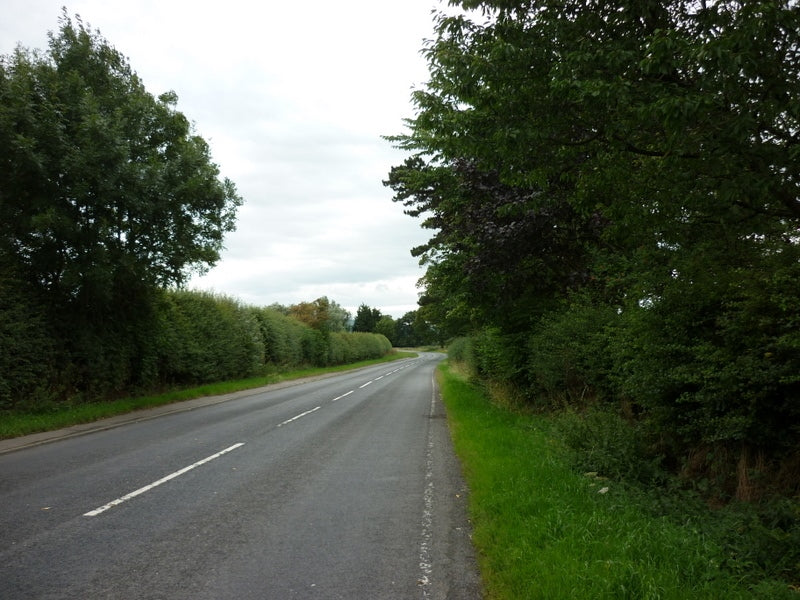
x: 568, y: 354
x: 281, y: 337
x: 459, y: 350
x: 497, y: 356
x: 209, y: 338
x: 27, y: 351
x: 604, y: 442
x: 345, y: 347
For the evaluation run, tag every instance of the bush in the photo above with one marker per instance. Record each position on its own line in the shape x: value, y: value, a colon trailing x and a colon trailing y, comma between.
x: 603, y: 442
x: 281, y: 337
x: 209, y: 338
x: 459, y: 351
x: 714, y: 363
x: 760, y: 540
x: 498, y: 357
x: 568, y: 355
x: 314, y: 347
x: 169, y: 337
x: 344, y: 347
x: 27, y: 352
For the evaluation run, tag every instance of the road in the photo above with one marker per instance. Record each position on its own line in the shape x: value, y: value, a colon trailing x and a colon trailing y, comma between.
x: 345, y: 487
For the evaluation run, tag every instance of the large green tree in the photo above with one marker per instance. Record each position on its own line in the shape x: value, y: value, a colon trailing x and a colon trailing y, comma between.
x: 366, y: 319
x: 387, y: 327
x: 639, y: 155
x: 412, y: 329
x: 102, y: 183
x: 106, y: 195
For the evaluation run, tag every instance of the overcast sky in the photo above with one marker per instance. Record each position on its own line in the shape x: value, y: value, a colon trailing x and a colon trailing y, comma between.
x: 293, y: 98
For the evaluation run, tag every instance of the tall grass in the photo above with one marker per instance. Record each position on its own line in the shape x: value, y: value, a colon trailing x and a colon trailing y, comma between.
x: 544, y: 530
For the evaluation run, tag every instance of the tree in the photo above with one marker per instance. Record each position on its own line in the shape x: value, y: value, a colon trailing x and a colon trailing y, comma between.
x: 387, y: 327
x: 106, y: 195
x: 322, y: 314
x: 279, y: 308
x: 424, y: 332
x: 413, y: 330
x: 637, y: 156
x: 406, y: 337
x: 615, y: 118
x: 508, y: 251
x: 338, y: 317
x: 102, y: 184
x: 366, y: 319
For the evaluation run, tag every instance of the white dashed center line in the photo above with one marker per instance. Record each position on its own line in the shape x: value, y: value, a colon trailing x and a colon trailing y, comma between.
x: 308, y: 412
x: 146, y: 488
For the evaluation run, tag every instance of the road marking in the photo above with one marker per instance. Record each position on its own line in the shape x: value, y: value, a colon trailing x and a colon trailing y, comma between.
x: 308, y: 412
x: 425, y: 548
x: 142, y: 490
x: 365, y: 385
x: 342, y: 396
x: 381, y: 377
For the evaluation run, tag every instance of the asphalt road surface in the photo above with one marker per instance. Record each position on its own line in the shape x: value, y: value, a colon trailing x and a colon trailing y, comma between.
x: 344, y: 487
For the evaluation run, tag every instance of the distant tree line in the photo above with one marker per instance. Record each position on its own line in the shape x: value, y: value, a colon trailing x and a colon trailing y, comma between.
x: 614, y: 189
x: 409, y: 331
x: 108, y: 201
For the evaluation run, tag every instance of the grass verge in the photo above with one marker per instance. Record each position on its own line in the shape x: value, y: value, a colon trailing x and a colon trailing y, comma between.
x: 17, y: 423
x: 543, y: 530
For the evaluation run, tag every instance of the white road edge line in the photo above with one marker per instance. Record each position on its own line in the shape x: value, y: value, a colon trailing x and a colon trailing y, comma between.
x: 308, y: 412
x: 142, y: 490
x: 342, y: 396
x: 365, y: 385
x: 426, y: 545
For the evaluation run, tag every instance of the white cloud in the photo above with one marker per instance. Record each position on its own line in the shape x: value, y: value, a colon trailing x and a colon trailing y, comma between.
x: 293, y: 99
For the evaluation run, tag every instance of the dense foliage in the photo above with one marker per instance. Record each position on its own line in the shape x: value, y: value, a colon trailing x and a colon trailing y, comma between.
x: 409, y: 331
x: 104, y: 186
x: 613, y: 188
x: 323, y: 314
x: 193, y: 337
x: 106, y: 195
x: 108, y: 200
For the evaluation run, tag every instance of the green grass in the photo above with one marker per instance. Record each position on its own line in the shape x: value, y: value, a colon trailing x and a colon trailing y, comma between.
x: 14, y: 424
x: 543, y: 530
